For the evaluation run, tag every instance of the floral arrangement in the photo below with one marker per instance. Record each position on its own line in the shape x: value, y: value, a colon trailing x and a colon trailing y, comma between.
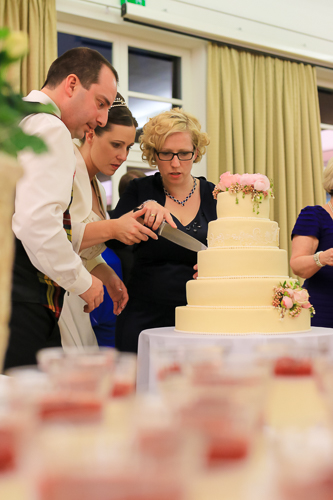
x: 258, y: 185
x: 290, y: 297
x: 13, y: 46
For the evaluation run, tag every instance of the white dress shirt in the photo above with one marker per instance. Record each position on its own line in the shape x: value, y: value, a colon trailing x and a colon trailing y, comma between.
x: 43, y: 195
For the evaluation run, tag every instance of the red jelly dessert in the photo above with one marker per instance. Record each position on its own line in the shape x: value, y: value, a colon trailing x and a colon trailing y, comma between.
x: 70, y: 407
x: 288, y: 366
x: 7, y: 450
x: 169, y: 370
x: 122, y: 389
x: 103, y: 487
x: 227, y: 448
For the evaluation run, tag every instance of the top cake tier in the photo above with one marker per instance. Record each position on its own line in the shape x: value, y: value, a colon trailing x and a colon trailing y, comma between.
x: 227, y: 206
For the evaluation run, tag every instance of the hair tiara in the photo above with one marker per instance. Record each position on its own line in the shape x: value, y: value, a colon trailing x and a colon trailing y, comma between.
x: 119, y: 101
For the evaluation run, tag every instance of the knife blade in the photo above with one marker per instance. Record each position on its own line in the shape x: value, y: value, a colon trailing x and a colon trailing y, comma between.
x: 180, y: 238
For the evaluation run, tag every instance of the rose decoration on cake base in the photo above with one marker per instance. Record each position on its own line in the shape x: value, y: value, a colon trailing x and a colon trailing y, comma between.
x: 289, y: 297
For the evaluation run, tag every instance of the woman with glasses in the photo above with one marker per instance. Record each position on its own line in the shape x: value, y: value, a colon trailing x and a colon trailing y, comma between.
x: 172, y: 142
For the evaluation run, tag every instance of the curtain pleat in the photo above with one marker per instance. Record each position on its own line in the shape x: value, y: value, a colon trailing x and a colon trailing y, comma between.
x: 39, y: 20
x: 263, y: 116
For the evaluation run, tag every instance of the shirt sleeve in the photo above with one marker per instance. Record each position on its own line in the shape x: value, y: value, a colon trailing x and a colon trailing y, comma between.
x: 42, y: 196
x: 307, y: 223
x: 78, y: 229
x: 92, y: 263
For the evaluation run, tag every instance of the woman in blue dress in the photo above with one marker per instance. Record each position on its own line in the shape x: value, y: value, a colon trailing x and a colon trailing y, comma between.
x: 312, y: 253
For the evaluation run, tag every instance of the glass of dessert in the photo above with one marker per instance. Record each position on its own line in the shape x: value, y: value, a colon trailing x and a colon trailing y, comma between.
x: 227, y: 407
x: 16, y: 426
x: 294, y: 398
x: 303, y: 461
x: 176, y: 366
x: 90, y: 464
x: 81, y: 381
x: 124, y: 378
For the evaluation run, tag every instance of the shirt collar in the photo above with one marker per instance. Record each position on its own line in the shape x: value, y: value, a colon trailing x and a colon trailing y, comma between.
x: 38, y: 96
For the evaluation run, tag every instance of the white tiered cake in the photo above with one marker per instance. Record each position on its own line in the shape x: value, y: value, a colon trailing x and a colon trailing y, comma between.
x: 238, y: 273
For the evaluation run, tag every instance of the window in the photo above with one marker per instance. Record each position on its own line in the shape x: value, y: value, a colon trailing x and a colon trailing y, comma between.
x: 153, y: 73
x: 326, y: 105
x: 325, y: 96
x: 67, y: 41
x: 154, y: 84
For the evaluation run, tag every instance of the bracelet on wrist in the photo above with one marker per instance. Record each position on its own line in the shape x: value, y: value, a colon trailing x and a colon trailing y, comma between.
x: 142, y: 205
x: 316, y: 259
x: 147, y: 202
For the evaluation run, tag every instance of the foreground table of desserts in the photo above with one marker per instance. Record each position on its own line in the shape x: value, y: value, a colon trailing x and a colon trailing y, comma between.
x: 153, y: 339
x: 294, y: 412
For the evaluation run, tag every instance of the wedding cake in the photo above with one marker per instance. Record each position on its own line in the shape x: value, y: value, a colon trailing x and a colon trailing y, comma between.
x: 243, y: 285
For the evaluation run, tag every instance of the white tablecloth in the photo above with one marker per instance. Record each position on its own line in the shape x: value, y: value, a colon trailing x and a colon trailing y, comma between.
x: 168, y: 337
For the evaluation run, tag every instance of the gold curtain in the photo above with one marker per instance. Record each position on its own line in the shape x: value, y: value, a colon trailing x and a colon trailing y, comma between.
x: 263, y: 117
x: 38, y: 19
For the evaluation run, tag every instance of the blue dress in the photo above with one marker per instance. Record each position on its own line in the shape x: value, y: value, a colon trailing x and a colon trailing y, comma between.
x: 103, y: 320
x: 315, y: 221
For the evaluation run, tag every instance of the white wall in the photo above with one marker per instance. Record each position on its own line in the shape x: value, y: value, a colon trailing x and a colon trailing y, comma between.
x: 299, y: 28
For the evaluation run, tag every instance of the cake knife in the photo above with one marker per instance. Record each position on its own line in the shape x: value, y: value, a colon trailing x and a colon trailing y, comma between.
x: 180, y: 238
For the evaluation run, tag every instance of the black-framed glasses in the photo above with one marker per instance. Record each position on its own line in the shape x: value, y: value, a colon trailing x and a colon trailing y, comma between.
x: 168, y: 155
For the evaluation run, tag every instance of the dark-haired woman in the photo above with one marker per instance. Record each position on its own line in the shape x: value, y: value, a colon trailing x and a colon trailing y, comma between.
x: 103, y: 150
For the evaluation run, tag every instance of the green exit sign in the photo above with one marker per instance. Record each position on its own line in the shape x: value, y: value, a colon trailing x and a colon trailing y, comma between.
x: 138, y: 2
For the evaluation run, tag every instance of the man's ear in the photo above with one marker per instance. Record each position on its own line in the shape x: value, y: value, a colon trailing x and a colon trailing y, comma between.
x: 71, y: 82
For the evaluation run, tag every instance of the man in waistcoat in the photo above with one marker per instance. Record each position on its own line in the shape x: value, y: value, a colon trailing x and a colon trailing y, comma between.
x: 81, y: 85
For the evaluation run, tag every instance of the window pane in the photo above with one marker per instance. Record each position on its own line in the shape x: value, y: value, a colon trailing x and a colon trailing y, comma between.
x: 326, y: 106
x: 154, y: 73
x: 327, y: 144
x: 143, y: 109
x: 66, y: 42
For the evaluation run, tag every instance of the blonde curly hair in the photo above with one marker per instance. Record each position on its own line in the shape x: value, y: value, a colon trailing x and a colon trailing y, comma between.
x: 163, y: 125
x: 328, y: 177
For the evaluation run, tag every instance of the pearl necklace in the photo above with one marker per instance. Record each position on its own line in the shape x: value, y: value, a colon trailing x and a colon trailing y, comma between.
x: 182, y: 203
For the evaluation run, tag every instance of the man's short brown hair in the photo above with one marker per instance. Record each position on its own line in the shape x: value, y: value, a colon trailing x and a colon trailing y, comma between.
x: 83, y: 62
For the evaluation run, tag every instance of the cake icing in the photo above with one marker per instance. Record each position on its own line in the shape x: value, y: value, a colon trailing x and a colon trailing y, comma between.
x: 243, y: 285
x: 247, y: 232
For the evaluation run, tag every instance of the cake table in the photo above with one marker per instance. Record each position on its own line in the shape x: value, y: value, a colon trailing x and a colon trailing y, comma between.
x: 168, y: 337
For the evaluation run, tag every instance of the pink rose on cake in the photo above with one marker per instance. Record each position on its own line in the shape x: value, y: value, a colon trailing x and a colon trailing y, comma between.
x: 287, y: 302
x: 262, y: 183
x: 226, y: 180
x: 302, y: 297
x: 248, y: 179
x: 307, y: 305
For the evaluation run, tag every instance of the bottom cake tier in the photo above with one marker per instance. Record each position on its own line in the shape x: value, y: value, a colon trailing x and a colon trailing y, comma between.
x: 239, y: 320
